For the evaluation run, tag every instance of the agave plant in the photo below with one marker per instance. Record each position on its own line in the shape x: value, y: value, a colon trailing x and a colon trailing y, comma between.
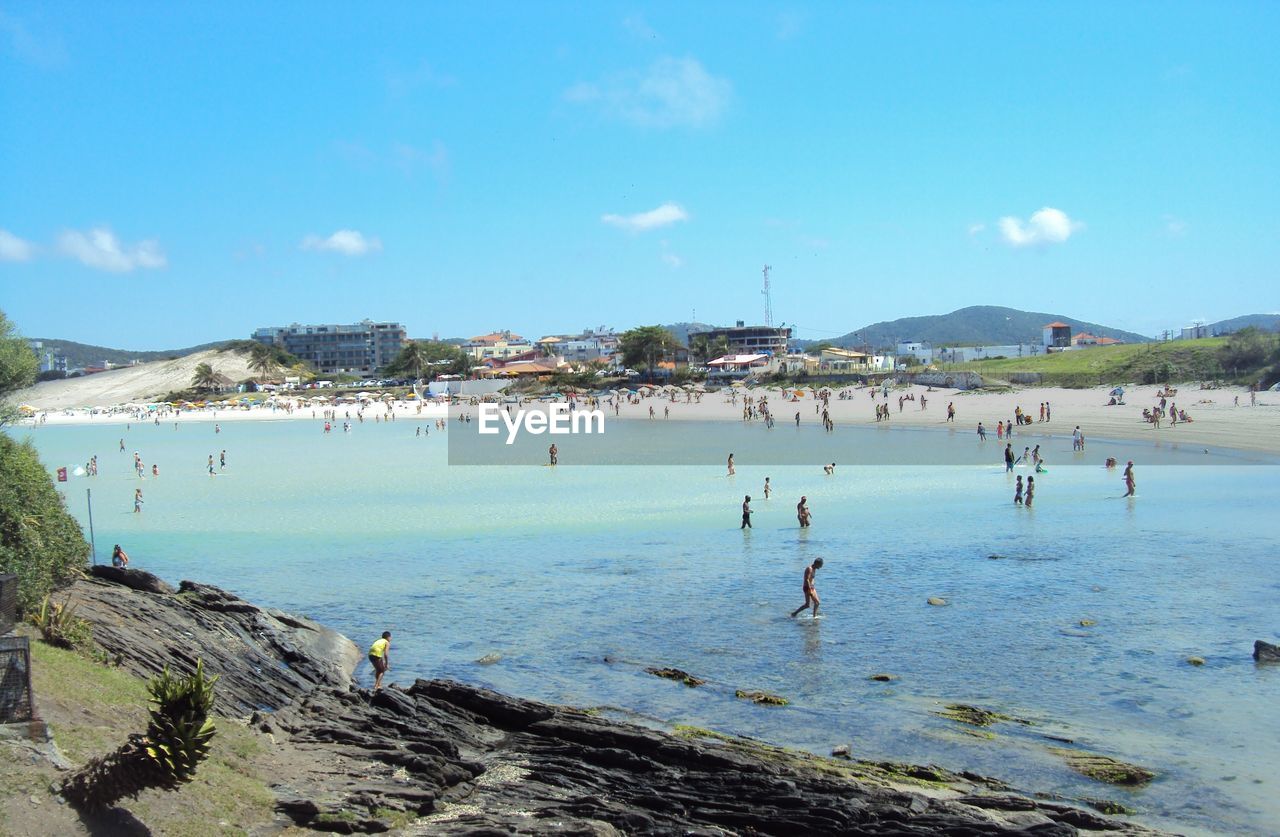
x: 59, y: 625
x: 177, y: 739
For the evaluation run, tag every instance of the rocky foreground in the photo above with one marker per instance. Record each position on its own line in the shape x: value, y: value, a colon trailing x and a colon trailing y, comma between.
x: 443, y: 757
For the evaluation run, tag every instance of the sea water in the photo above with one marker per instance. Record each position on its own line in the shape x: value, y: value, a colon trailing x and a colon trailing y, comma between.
x: 578, y: 578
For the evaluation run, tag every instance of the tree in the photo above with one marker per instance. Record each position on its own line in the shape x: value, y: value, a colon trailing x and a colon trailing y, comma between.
x: 39, y: 539
x: 302, y: 371
x: 418, y: 357
x: 646, y: 345
x: 177, y: 740
x: 205, y: 378
x: 262, y: 359
x: 705, y: 349
x: 18, y: 365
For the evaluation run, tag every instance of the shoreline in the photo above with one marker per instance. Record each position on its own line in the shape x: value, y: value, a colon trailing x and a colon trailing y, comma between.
x: 1217, y: 422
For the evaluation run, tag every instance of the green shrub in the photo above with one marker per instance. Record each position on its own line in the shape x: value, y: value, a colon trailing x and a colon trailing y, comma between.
x: 39, y: 539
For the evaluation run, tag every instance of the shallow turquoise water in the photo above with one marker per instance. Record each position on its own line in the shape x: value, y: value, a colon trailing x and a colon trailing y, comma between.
x: 559, y: 570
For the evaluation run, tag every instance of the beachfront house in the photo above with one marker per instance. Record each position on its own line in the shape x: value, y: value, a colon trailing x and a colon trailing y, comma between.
x: 1085, y: 339
x: 1056, y: 337
x: 499, y: 344
x: 835, y: 360
x: 918, y: 349
x: 739, y: 366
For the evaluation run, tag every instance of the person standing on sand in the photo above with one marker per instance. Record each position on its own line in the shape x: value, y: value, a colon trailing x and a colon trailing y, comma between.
x: 951, y: 411
x: 554, y: 453
x: 1031, y: 491
x: 380, y: 658
x: 1130, y: 481
x: 1048, y: 412
x: 731, y: 471
x: 746, y: 513
x: 802, y: 512
x: 810, y: 591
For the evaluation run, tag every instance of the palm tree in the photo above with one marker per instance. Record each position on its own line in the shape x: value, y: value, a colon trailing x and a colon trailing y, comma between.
x: 166, y: 757
x: 262, y: 359
x: 413, y: 359
x: 205, y: 378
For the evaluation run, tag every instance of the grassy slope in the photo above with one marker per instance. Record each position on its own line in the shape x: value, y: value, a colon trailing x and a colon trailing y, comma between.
x: 91, y: 709
x: 1180, y: 360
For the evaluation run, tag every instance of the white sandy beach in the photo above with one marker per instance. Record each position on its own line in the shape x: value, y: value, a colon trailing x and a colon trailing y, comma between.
x: 1216, y: 420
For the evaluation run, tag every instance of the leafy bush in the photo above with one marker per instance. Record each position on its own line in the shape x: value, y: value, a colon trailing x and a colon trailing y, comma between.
x: 39, y: 539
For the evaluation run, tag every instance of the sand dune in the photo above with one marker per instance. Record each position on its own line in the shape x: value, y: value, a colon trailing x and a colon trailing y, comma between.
x: 140, y: 384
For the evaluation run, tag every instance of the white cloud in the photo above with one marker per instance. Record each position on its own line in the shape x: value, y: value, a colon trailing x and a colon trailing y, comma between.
x: 1175, y: 227
x: 672, y: 92
x: 974, y: 229
x: 1045, y: 226
x: 662, y: 216
x: 346, y: 242
x: 14, y: 249
x: 100, y: 249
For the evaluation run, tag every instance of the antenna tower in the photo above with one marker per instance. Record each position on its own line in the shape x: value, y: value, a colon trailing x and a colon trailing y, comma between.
x: 768, y: 299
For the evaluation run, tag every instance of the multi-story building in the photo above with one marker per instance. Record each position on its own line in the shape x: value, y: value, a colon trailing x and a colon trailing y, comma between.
x: 748, y: 340
x: 499, y: 344
x: 591, y: 345
x: 359, y: 348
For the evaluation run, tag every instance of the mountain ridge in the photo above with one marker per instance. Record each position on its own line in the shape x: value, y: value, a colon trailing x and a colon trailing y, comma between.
x: 975, y: 325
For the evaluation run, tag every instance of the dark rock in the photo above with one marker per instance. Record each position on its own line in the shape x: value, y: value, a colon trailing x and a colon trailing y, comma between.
x: 840, y: 751
x: 262, y: 661
x: 762, y: 698
x: 133, y: 579
x: 883, y: 677
x: 1265, y: 652
x: 1104, y: 768
x: 472, y: 761
x: 677, y: 675
x: 976, y: 716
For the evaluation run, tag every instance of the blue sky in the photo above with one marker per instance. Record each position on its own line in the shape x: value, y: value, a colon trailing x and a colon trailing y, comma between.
x: 177, y: 173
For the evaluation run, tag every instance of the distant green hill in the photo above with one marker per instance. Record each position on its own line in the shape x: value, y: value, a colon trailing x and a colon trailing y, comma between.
x: 79, y: 355
x: 1266, y: 322
x: 976, y: 325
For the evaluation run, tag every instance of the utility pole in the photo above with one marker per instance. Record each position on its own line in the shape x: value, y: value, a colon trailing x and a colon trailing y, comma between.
x: 768, y: 299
